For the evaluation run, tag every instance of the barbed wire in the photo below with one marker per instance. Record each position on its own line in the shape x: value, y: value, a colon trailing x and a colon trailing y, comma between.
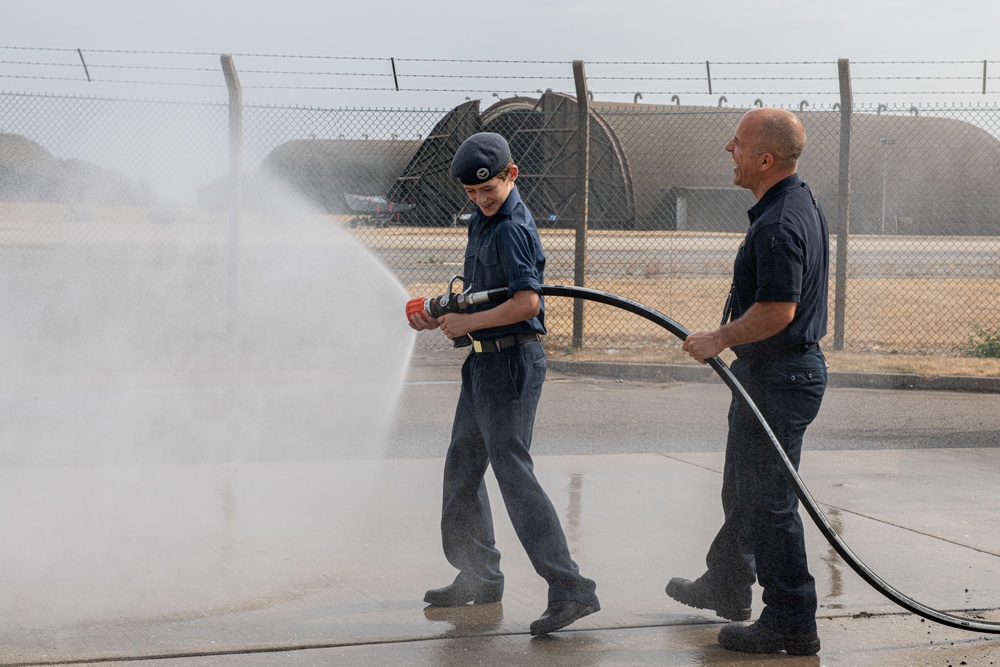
x: 718, y: 83
x: 495, y: 76
x: 486, y: 91
x: 493, y: 60
x: 125, y: 81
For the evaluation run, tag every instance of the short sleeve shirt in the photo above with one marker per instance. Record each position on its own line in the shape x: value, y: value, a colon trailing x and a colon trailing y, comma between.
x: 785, y: 257
x: 505, y: 251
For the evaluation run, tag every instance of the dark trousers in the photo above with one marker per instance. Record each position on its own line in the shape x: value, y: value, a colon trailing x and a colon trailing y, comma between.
x: 493, y: 426
x: 762, y: 536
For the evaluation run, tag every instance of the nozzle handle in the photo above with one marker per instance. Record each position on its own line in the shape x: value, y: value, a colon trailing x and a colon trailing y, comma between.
x: 452, y: 302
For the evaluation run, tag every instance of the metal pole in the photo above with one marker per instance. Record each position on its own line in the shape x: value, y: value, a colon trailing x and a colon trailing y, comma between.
x: 844, y: 204
x: 235, y: 180
x: 87, y: 71
x: 885, y: 173
x: 583, y: 195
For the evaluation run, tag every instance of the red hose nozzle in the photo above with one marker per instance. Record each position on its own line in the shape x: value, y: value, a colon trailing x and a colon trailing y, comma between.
x: 414, y: 306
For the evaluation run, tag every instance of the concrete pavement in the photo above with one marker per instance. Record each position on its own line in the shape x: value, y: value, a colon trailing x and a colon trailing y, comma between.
x: 325, y: 562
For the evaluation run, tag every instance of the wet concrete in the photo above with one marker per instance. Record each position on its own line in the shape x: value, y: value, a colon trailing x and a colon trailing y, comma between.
x: 326, y: 562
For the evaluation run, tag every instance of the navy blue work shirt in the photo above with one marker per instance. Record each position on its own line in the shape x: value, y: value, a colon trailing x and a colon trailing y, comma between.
x: 505, y: 251
x: 785, y: 257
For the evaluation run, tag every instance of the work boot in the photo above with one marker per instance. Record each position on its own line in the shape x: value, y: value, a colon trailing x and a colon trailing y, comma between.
x: 459, y: 593
x: 700, y: 595
x: 561, y: 613
x: 759, y: 638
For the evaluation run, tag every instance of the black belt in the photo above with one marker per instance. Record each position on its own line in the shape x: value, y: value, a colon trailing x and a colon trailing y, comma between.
x: 802, y: 347
x: 502, y: 343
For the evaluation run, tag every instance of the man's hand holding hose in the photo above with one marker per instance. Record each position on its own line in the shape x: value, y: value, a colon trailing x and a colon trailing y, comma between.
x: 762, y: 320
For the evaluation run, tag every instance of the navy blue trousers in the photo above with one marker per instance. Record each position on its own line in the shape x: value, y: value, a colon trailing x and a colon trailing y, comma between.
x: 493, y: 426
x: 762, y: 537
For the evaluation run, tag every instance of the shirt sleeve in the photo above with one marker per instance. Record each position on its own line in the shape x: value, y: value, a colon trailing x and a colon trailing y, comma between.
x: 780, y: 261
x: 517, y: 249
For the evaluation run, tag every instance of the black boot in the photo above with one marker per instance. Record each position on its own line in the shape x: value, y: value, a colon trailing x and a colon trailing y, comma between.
x: 458, y: 593
x: 700, y: 595
x: 759, y: 638
x: 561, y: 613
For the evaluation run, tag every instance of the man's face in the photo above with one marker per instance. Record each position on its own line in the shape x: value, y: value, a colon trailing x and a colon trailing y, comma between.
x: 491, y: 195
x: 746, y: 160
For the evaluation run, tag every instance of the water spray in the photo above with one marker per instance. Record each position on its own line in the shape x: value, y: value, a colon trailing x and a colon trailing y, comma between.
x: 450, y: 303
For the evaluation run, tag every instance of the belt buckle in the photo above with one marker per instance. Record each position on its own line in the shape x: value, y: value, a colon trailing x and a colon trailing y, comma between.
x: 477, y: 345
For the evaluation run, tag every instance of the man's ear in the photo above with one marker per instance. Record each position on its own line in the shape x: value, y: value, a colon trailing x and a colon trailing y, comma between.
x: 766, y: 161
x: 512, y: 173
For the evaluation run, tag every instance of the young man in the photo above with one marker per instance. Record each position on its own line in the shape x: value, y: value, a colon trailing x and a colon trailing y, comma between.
x: 779, y: 314
x: 501, y: 383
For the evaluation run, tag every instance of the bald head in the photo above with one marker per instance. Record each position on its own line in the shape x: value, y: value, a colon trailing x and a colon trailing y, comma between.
x: 778, y: 132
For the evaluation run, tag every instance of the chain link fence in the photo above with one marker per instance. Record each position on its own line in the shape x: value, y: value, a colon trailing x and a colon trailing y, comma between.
x: 90, y: 179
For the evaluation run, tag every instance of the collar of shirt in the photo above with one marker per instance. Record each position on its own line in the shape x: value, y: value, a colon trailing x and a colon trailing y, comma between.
x: 773, y: 193
x: 513, y: 199
x: 505, y: 210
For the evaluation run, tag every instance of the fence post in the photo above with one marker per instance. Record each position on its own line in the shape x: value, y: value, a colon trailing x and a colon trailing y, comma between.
x: 843, y: 203
x: 235, y: 180
x: 583, y: 195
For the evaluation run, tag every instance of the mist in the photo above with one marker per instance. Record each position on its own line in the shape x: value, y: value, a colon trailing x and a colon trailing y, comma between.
x: 181, y: 416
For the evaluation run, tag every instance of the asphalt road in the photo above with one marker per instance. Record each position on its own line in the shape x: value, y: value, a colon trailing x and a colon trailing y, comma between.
x: 426, y: 256
x: 589, y: 415
x: 313, y: 417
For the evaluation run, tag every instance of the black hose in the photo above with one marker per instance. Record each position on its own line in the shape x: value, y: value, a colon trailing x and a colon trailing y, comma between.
x: 791, y: 474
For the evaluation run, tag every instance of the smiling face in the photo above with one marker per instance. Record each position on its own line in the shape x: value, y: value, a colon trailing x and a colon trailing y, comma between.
x: 766, y: 148
x: 491, y: 195
x: 748, y: 160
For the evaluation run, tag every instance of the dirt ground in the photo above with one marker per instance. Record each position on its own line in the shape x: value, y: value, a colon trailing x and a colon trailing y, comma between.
x: 873, y: 342
x: 895, y: 321
x: 871, y: 362
x: 912, y: 304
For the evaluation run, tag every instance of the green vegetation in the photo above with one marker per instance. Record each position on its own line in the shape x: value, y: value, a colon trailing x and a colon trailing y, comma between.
x: 983, y: 343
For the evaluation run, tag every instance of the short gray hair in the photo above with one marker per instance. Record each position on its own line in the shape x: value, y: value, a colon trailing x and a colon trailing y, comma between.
x: 781, y: 135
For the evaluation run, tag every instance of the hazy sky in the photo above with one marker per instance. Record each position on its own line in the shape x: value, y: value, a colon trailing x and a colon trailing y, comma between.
x: 560, y: 30
x: 515, y: 29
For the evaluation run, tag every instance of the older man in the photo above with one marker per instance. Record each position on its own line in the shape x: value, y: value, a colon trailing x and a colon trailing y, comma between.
x: 775, y: 318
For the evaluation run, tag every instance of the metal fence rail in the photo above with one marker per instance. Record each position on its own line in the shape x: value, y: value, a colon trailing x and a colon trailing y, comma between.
x: 91, y: 177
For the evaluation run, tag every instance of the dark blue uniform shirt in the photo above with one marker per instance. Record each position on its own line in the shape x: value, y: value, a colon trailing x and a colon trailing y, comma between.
x: 784, y: 257
x: 505, y: 251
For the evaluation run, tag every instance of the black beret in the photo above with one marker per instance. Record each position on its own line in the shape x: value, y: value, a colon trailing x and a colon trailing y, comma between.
x: 480, y: 157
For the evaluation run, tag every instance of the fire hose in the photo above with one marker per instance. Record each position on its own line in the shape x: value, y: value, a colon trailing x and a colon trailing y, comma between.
x: 457, y: 302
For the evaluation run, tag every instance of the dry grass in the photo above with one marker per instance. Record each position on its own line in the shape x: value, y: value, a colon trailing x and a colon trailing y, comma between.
x: 926, y: 365
x: 866, y: 362
x: 922, y: 341
x: 876, y: 343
